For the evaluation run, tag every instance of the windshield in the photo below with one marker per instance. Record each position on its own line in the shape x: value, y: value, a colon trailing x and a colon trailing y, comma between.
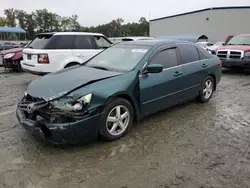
x: 121, y: 57
x: 240, y: 40
x: 39, y: 42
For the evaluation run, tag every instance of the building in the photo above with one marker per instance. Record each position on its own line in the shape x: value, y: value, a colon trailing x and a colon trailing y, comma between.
x: 215, y: 23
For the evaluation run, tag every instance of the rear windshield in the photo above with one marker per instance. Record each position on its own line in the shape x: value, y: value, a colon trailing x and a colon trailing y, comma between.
x: 40, y: 42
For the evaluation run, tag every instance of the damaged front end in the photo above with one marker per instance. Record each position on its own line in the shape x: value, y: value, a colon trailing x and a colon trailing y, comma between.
x: 60, y: 121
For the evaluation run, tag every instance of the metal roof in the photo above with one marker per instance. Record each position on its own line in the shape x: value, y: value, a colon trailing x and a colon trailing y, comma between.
x: 11, y: 30
x: 202, y: 10
x: 190, y: 38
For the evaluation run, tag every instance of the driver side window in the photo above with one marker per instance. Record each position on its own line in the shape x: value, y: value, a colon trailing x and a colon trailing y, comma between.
x: 168, y: 58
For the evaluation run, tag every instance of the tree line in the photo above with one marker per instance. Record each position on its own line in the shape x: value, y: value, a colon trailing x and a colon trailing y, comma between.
x: 47, y: 21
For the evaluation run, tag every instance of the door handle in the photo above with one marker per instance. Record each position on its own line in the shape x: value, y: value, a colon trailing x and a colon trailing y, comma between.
x: 204, y: 65
x: 177, y: 73
x: 80, y: 55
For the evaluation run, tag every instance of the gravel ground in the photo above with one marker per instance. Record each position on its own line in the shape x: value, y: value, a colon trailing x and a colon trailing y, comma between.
x: 191, y: 145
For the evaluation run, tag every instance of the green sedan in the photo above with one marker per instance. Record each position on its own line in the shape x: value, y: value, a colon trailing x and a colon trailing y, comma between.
x: 126, y: 82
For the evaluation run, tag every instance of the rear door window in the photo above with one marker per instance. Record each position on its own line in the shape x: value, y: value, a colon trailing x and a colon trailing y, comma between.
x: 40, y: 42
x: 83, y: 42
x: 60, y: 42
x: 188, y: 53
x: 101, y: 42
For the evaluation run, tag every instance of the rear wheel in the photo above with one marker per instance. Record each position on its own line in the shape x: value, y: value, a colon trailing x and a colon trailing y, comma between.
x: 207, y: 89
x: 71, y: 64
x: 116, y: 120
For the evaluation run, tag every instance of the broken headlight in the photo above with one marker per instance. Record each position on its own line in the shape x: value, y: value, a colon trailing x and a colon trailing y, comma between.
x: 9, y: 55
x: 68, y: 104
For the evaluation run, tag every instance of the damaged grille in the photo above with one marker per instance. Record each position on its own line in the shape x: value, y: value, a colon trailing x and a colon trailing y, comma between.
x: 31, y: 106
x: 226, y: 54
x: 38, y: 109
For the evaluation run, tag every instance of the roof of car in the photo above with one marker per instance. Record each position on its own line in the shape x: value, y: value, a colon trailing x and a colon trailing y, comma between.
x: 244, y: 35
x: 153, y: 42
x: 70, y: 33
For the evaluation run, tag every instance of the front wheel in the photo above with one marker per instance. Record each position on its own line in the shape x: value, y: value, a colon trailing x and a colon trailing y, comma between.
x: 207, y: 89
x: 18, y: 66
x: 116, y: 120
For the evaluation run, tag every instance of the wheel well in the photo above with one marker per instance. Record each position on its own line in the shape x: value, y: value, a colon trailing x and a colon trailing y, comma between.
x: 213, y: 76
x: 128, y: 98
x: 71, y: 64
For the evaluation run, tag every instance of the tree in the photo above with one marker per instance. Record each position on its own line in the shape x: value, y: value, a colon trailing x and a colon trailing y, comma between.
x: 10, y: 17
x: 65, y: 24
x: 2, y: 21
x: 46, y: 21
x: 75, y: 26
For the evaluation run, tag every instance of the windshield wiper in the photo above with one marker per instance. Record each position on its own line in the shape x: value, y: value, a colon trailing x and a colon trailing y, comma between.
x: 230, y: 44
x: 30, y: 47
x: 245, y: 44
x: 99, y: 67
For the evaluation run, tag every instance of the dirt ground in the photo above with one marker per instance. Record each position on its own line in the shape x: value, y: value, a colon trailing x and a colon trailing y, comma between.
x: 191, y: 145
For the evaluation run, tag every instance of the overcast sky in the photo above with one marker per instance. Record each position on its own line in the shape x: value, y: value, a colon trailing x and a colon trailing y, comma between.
x: 94, y: 12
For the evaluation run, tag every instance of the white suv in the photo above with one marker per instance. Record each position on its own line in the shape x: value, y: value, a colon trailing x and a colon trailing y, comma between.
x: 50, y: 52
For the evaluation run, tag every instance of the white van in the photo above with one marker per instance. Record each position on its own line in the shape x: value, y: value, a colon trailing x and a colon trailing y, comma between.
x: 50, y: 52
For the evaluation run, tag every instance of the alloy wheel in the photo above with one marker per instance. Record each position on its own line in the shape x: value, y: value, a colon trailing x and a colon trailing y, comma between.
x: 208, y: 89
x: 118, y: 120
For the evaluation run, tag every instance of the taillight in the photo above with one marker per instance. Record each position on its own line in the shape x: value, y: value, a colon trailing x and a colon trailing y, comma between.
x: 43, y: 58
x: 220, y: 64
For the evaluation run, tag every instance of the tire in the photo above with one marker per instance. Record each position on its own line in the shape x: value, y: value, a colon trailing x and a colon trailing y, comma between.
x: 123, y: 126
x: 248, y: 71
x: 205, y: 97
x: 71, y: 64
x: 19, y: 67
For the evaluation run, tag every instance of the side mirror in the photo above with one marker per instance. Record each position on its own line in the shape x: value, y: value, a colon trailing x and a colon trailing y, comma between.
x: 154, y: 68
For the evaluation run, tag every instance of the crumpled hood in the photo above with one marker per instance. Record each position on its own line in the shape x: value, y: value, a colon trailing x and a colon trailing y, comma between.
x: 12, y: 50
x: 62, y: 82
x: 234, y: 47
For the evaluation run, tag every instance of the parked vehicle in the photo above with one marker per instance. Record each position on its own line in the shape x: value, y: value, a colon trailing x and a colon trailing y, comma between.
x: 5, y: 46
x: 50, y: 52
x: 12, y: 59
x: 121, y: 84
x: 205, y: 45
x: 216, y: 45
x: 116, y: 40
x: 236, y: 53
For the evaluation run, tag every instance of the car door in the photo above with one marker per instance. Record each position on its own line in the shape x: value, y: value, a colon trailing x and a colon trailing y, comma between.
x: 160, y: 90
x: 194, y: 64
x: 84, y: 48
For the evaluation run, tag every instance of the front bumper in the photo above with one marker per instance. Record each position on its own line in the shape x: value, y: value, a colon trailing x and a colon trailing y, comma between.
x: 241, y: 63
x: 82, y: 131
x: 9, y: 63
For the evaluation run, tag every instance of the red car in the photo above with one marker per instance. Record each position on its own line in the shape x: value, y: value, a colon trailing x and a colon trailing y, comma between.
x: 11, y: 58
x: 236, y: 52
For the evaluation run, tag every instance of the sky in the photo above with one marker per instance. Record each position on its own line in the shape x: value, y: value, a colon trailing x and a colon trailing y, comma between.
x: 95, y: 12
